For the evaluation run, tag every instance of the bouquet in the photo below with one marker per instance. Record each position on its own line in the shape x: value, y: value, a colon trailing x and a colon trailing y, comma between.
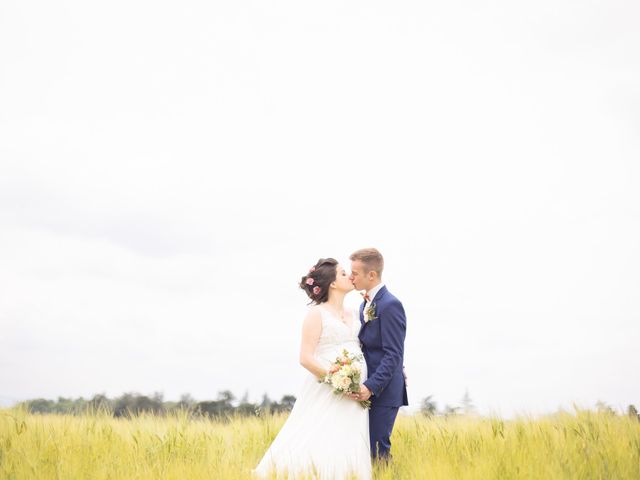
x: 345, y: 375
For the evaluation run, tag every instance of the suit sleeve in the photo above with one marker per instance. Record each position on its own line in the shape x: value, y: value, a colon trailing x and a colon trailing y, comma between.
x: 393, y: 331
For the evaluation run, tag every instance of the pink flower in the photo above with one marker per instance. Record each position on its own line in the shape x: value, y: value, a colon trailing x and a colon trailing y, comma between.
x: 316, y: 290
x: 309, y: 281
x: 312, y: 269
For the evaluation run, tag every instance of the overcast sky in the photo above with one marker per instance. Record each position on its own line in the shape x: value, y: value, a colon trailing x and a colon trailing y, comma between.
x: 169, y: 171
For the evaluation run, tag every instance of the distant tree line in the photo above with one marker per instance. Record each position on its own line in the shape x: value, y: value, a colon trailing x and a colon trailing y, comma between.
x: 429, y: 408
x: 226, y: 405
x: 132, y: 404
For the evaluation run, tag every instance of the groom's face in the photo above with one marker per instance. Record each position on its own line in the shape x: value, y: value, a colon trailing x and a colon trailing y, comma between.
x: 359, y: 277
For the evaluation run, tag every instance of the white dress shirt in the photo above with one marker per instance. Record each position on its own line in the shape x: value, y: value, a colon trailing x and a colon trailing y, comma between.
x: 372, y: 294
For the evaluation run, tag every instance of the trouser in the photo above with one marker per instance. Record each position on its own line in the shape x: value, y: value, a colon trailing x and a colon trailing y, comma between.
x: 381, y: 420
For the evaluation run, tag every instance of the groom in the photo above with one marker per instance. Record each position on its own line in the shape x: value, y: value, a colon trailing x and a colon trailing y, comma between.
x: 382, y: 333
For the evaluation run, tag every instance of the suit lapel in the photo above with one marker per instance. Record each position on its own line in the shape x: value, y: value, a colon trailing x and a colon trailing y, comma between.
x: 361, y: 319
x: 378, y: 296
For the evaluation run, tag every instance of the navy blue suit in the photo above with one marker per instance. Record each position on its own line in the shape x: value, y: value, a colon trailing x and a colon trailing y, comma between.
x: 382, y: 342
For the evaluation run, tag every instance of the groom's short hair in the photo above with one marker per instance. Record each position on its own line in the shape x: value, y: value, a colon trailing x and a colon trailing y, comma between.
x: 371, y: 258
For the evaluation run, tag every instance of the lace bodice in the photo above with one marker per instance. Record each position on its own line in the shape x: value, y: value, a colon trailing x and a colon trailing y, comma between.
x: 337, y: 335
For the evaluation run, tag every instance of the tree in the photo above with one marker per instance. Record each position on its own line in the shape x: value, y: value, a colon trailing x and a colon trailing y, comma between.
x: 285, y: 405
x: 245, y: 407
x: 450, y: 410
x: 157, y: 397
x: 134, y: 404
x: 428, y: 407
x: 226, y: 397
x: 217, y: 408
x: 213, y: 408
x: 186, y: 401
x: 266, y: 402
x: 602, y: 407
x: 40, y: 405
x: 287, y: 402
x: 467, y: 404
x: 100, y: 402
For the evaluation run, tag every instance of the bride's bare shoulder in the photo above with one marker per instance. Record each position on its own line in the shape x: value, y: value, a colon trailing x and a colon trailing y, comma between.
x: 313, y: 318
x: 314, y: 311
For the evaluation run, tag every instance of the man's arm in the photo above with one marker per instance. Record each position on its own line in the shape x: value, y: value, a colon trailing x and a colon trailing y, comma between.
x: 393, y: 332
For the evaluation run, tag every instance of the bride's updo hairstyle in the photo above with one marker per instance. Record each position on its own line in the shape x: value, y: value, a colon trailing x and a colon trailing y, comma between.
x: 316, y: 283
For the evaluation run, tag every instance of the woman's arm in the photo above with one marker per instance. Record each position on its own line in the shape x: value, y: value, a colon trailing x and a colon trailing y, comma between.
x: 311, y: 330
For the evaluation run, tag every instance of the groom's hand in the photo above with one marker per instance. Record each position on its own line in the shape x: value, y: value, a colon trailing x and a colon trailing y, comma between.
x: 365, y: 393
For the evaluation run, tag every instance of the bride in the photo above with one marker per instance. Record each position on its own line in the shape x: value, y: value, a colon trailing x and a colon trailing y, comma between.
x: 326, y: 435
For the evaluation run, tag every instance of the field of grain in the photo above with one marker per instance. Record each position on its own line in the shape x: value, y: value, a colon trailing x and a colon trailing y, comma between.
x: 580, y: 445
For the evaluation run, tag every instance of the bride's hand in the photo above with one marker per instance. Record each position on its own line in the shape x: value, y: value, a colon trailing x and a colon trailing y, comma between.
x: 363, y: 395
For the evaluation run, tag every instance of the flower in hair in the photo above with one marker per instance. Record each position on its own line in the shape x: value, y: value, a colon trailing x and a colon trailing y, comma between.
x: 312, y: 269
x: 309, y: 281
x: 316, y: 290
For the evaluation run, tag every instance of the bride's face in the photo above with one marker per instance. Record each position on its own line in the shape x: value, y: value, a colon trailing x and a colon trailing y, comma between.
x: 343, y: 283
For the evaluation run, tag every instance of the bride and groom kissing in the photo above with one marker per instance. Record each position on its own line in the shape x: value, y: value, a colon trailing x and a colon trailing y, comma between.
x: 331, y: 436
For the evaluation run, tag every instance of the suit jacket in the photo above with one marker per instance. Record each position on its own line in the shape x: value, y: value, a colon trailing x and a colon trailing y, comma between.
x: 382, y: 342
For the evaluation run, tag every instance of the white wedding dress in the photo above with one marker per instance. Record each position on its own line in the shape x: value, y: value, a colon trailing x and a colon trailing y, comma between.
x: 326, y: 435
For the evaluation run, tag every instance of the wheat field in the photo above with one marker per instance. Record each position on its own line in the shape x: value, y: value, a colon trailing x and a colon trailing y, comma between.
x: 578, y: 445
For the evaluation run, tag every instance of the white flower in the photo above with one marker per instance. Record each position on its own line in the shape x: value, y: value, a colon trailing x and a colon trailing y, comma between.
x: 345, y: 383
x: 337, y: 380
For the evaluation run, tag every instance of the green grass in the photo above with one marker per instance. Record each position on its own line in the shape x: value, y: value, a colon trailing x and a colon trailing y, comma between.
x: 584, y: 445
